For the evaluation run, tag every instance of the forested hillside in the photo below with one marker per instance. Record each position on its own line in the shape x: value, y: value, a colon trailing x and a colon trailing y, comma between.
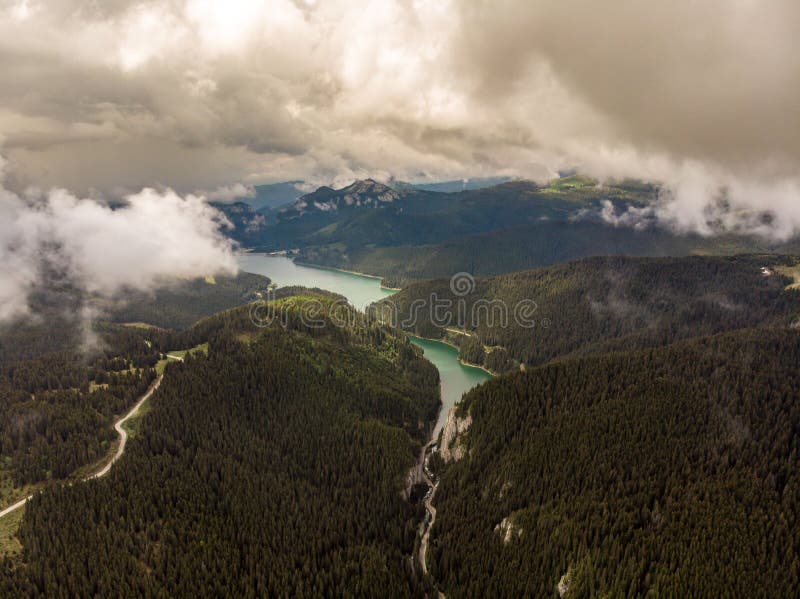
x: 525, y: 247
x: 57, y: 408
x: 670, y: 472
x: 407, y: 235
x: 61, y: 382
x: 181, y: 303
x: 368, y: 214
x: 63, y: 377
x: 273, y: 466
x: 601, y: 304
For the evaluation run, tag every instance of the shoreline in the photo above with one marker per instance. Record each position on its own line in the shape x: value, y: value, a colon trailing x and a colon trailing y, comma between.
x: 284, y: 254
x: 349, y: 272
x: 454, y: 346
x: 479, y: 367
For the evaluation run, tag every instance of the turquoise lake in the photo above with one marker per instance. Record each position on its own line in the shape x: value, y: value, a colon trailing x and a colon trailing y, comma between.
x: 362, y: 291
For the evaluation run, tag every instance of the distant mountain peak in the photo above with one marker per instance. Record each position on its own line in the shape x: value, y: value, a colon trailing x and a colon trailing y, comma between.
x: 361, y: 193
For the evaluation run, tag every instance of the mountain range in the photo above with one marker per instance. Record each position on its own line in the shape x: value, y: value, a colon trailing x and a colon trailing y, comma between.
x: 269, y: 196
x: 407, y: 234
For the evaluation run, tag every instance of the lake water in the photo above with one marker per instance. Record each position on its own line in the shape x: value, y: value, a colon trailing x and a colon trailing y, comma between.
x: 456, y: 378
x: 362, y: 291
x: 358, y: 289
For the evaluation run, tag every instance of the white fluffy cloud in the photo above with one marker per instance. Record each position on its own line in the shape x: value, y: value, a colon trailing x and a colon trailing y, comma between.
x: 149, y: 240
x: 199, y: 94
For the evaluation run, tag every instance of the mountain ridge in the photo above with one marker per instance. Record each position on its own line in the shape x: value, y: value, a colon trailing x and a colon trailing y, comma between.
x: 360, y: 193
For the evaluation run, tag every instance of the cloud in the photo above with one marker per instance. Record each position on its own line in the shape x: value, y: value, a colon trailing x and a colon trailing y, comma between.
x: 149, y: 240
x: 636, y: 217
x: 229, y: 193
x: 196, y: 94
x: 18, y: 269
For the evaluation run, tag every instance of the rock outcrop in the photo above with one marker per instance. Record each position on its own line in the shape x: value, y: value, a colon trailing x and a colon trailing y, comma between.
x: 508, y: 530
x: 452, y: 448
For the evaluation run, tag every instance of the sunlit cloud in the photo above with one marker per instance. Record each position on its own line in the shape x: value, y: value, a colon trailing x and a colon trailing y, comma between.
x: 200, y: 94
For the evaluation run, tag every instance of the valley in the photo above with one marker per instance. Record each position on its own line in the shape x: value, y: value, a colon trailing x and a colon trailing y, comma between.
x: 645, y: 333
x: 399, y: 299
x: 361, y: 291
x: 455, y: 378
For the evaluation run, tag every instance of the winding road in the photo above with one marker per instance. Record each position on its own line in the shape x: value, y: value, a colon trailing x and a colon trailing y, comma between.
x: 123, y: 434
x: 123, y: 438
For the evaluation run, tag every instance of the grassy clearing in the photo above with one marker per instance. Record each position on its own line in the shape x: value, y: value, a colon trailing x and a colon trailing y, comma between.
x: 133, y: 424
x: 793, y: 272
x: 459, y: 332
x: 569, y: 184
x: 139, y: 325
x: 9, y: 493
x: 182, y: 353
x: 160, y: 366
x: 93, y: 386
x: 9, y: 525
x: 293, y: 301
x: 247, y: 337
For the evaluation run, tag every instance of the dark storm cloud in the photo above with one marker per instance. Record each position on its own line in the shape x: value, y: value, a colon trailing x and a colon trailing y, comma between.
x: 199, y: 94
x: 717, y: 80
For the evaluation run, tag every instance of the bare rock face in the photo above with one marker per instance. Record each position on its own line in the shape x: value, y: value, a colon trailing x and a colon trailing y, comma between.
x: 508, y: 529
x: 452, y: 448
x: 563, y: 584
x: 507, y: 486
x: 366, y: 193
x: 414, y: 477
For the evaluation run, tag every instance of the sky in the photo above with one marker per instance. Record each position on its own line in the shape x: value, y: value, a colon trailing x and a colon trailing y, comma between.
x: 201, y: 94
x: 106, y: 98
